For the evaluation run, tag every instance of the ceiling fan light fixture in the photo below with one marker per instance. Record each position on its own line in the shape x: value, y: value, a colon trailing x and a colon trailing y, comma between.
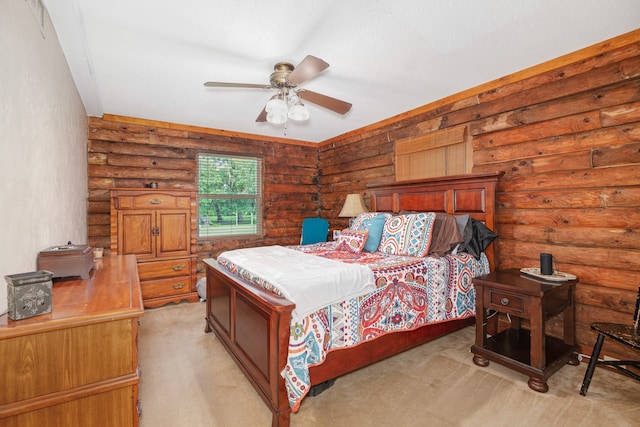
x: 276, y: 105
x: 286, y: 104
x: 298, y: 112
x: 277, y: 118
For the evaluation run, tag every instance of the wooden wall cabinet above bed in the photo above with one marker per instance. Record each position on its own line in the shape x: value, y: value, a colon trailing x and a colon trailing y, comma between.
x: 158, y: 227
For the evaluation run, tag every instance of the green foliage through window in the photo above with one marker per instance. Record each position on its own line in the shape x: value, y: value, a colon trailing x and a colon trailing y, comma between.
x: 229, y: 195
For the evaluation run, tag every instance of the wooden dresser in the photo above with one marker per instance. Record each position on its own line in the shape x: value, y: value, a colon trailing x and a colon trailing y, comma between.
x: 78, y: 365
x: 159, y: 227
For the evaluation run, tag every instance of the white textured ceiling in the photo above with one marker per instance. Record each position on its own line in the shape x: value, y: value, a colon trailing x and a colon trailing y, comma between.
x: 149, y: 58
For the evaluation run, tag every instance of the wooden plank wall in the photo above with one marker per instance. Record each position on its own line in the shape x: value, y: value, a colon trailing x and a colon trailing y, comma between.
x: 567, y: 136
x: 124, y: 152
x: 566, y: 133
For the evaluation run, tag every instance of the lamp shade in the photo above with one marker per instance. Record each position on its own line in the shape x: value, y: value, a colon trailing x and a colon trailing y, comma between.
x: 298, y: 112
x: 353, y: 206
x: 276, y: 105
x: 277, y: 118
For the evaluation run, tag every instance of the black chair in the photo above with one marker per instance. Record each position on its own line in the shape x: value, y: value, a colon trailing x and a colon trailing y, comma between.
x: 626, y: 334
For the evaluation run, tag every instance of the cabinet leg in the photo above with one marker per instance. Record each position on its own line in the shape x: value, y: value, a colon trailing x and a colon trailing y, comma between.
x: 480, y: 360
x: 538, y: 384
x: 574, y: 361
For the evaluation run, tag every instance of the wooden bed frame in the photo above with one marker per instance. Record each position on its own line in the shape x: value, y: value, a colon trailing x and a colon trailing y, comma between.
x: 253, y: 324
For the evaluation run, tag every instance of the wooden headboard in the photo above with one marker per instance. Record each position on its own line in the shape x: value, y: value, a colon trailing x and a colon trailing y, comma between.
x: 473, y: 194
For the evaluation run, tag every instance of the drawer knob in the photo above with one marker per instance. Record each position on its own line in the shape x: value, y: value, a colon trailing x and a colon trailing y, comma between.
x: 155, y: 201
x: 178, y: 267
x: 178, y: 286
x: 504, y: 301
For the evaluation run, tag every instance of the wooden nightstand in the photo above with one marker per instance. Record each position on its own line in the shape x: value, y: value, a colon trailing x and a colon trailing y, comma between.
x: 530, y: 352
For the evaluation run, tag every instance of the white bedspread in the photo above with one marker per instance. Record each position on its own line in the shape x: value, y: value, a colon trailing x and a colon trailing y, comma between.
x: 310, y: 281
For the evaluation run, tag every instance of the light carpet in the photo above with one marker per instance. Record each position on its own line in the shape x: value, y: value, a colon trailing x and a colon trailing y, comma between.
x: 188, y: 379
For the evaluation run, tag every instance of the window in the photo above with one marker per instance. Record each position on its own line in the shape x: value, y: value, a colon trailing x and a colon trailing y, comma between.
x: 229, y: 195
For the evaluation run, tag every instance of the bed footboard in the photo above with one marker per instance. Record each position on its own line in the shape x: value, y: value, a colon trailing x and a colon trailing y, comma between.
x: 253, y: 325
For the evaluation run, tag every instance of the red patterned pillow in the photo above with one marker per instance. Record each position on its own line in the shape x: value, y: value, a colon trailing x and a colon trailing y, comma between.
x: 352, y: 240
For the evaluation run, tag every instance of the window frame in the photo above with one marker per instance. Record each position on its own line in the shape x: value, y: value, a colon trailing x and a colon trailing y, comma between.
x: 258, y: 197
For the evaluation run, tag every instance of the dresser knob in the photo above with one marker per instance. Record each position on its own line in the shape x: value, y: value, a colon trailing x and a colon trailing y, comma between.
x: 178, y: 267
x: 178, y: 286
x: 504, y: 301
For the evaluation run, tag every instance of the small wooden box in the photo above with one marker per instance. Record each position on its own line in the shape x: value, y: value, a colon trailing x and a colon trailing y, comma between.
x: 29, y: 294
x: 67, y: 260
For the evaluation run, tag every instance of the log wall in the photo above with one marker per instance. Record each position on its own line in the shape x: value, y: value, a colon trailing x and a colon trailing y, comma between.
x: 567, y: 135
x: 125, y: 152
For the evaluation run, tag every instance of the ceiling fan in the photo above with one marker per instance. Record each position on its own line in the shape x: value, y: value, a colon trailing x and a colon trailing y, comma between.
x: 287, y: 103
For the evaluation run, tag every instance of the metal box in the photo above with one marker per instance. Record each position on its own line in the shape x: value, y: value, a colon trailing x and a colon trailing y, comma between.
x: 67, y: 260
x: 29, y: 294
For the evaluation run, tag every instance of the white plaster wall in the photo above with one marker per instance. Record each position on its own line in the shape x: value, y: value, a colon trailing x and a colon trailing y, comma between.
x: 43, y: 154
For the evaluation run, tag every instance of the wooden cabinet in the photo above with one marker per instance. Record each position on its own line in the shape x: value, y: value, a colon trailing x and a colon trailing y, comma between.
x: 158, y: 226
x: 78, y: 365
x: 528, y: 351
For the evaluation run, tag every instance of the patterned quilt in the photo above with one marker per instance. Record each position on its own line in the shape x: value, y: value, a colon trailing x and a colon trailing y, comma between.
x: 410, y: 292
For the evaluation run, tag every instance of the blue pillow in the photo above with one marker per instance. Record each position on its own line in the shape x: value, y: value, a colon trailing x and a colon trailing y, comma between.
x: 374, y: 226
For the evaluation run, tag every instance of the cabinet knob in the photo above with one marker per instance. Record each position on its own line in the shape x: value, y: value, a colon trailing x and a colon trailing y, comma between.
x: 504, y: 301
x: 178, y: 267
x: 178, y: 286
x: 155, y: 201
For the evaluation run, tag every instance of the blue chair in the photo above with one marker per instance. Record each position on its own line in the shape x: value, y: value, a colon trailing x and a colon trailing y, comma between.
x: 314, y: 230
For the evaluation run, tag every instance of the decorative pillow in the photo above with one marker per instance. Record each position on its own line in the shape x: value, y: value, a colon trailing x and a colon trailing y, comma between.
x: 445, y: 234
x: 374, y: 226
x: 357, y: 221
x: 352, y: 240
x: 408, y: 234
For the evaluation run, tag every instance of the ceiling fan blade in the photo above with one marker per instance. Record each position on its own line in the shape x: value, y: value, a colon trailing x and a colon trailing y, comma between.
x: 306, y: 70
x: 238, y: 85
x: 333, y: 104
x: 262, y: 117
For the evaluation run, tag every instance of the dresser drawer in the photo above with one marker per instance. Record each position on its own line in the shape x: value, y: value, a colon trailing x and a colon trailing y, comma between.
x: 164, y: 269
x: 155, y: 200
x: 507, y: 302
x: 165, y: 287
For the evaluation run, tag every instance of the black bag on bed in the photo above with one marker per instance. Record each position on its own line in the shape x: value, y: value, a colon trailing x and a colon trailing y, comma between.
x: 477, y: 237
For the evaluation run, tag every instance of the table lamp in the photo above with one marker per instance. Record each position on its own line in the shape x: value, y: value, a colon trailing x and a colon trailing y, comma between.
x: 353, y: 206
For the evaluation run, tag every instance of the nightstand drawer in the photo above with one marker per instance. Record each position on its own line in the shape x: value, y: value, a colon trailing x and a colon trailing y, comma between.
x: 161, y: 269
x: 165, y: 287
x: 506, y: 302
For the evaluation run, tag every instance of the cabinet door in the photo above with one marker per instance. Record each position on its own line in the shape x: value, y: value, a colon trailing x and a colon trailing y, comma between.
x: 174, y: 238
x: 135, y: 233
